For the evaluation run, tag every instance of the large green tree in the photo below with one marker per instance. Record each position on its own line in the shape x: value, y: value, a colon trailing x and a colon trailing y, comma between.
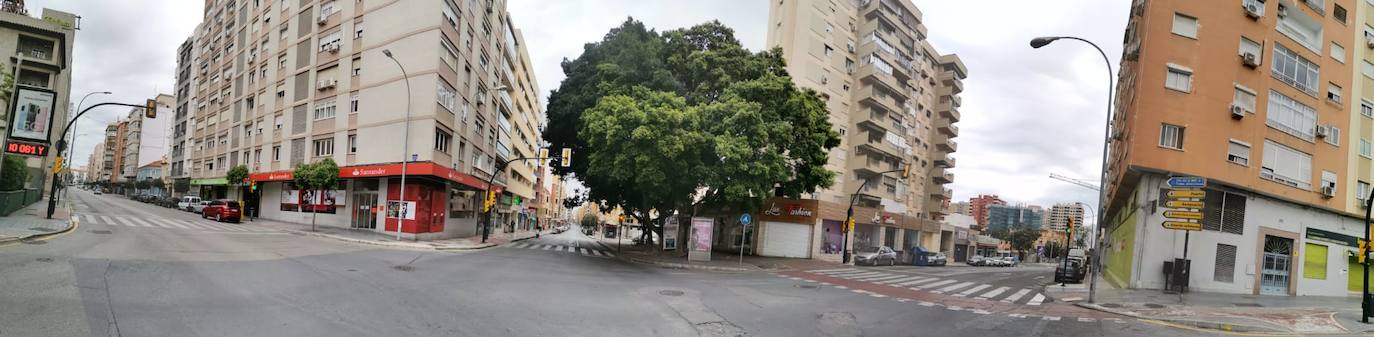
x: 317, y: 176
x: 687, y: 118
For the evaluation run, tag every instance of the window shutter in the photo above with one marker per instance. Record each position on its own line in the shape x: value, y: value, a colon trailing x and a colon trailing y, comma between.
x: 1225, y: 267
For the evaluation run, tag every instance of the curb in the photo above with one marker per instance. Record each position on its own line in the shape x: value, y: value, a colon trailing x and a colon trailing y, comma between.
x: 675, y: 265
x: 1225, y: 327
x: 72, y: 224
x: 388, y: 244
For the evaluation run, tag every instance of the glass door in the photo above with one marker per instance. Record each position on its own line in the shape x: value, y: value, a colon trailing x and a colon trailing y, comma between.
x: 365, y: 210
x: 1274, y: 273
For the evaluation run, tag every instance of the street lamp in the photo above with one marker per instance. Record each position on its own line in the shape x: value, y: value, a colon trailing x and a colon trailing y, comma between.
x: 1106, y: 133
x: 486, y: 226
x: 405, y: 147
x: 71, y: 150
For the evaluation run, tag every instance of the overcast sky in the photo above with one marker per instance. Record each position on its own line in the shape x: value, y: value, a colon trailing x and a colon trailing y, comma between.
x: 1026, y: 112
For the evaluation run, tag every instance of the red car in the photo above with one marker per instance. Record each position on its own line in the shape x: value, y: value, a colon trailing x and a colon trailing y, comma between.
x: 221, y: 210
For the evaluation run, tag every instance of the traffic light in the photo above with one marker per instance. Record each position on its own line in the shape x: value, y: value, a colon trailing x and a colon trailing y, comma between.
x: 543, y: 154
x: 621, y: 218
x: 253, y: 186
x: 57, y: 165
x: 1069, y: 228
x: 150, y: 108
x: 1364, y: 250
x: 567, y: 157
x: 906, y: 171
x: 489, y: 202
x: 849, y: 225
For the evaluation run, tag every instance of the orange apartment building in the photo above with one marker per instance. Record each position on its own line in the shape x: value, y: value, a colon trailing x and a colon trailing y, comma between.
x: 1259, y: 97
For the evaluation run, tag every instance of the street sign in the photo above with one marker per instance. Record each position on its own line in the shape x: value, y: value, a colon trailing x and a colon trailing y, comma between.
x: 1186, y: 226
x: 1183, y: 215
x: 745, y: 219
x: 1187, y: 182
x: 1184, y: 204
x: 1197, y: 194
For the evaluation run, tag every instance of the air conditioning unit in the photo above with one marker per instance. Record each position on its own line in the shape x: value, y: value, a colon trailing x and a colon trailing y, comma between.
x: 324, y: 19
x: 1283, y: 11
x: 1252, y: 10
x: 326, y: 84
x: 1328, y: 191
x: 1369, y: 41
x: 1237, y: 112
x: 1323, y: 130
x: 1250, y: 60
x: 333, y: 48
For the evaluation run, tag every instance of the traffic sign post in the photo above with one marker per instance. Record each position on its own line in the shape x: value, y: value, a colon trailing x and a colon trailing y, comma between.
x: 744, y: 220
x: 1186, y: 182
x: 1185, y: 202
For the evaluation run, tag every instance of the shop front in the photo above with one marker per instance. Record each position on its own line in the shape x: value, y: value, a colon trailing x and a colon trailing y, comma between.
x: 210, y: 188
x: 786, y: 227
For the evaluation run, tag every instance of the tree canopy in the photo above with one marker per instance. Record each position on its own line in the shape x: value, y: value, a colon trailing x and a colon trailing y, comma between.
x: 687, y: 118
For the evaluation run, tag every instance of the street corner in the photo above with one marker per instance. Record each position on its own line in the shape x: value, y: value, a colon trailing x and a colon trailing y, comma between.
x: 1301, y: 321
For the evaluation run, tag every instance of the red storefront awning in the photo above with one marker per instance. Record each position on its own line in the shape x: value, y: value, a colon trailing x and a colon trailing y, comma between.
x: 389, y: 170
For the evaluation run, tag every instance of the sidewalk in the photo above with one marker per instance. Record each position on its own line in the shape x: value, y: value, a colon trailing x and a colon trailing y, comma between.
x: 30, y: 222
x: 1226, y: 312
x: 389, y: 240
x: 720, y: 261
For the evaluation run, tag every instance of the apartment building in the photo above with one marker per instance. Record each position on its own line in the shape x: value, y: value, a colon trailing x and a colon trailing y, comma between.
x: 1061, y: 214
x: 114, y: 150
x: 97, y: 165
x: 894, y: 100
x: 978, y: 207
x: 277, y: 84
x: 145, y: 139
x: 183, y: 110
x: 39, y: 53
x: 1265, y: 100
x: 1015, y: 217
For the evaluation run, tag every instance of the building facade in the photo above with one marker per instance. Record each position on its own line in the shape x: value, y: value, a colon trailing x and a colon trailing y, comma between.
x: 1062, y: 214
x: 39, y: 53
x: 1256, y: 100
x: 978, y: 207
x: 182, y: 111
x: 283, y: 83
x: 1009, y: 217
x: 894, y: 100
x: 145, y: 139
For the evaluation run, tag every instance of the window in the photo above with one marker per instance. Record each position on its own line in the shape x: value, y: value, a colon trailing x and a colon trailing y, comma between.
x: 352, y: 143
x: 1245, y: 98
x: 329, y: 41
x: 327, y: 8
x: 1286, y: 165
x: 1248, y: 46
x: 1225, y: 266
x: 357, y: 66
x: 358, y: 30
x: 353, y: 104
x: 1179, y: 78
x: 1295, y: 70
x: 1314, y: 261
x: 324, y: 110
x: 281, y: 62
x: 1366, y: 108
x: 324, y: 147
x: 1303, y: 28
x: 1171, y: 136
x: 1185, y: 25
x: 276, y: 152
x: 1361, y: 190
x: 1365, y: 148
x: 442, y: 139
x: 1338, y: 52
x: 1238, y: 152
x: 1333, y: 136
x: 1339, y: 13
x: 257, y: 156
x: 1289, y: 116
x: 1333, y: 93
x: 1329, y: 181
x: 278, y: 120
x: 447, y: 97
x: 1224, y: 212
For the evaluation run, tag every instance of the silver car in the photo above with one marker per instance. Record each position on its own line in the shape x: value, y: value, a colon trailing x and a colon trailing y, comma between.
x: 874, y: 256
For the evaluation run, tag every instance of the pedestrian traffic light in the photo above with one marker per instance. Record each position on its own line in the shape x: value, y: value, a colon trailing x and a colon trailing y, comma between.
x: 567, y: 157
x: 150, y: 108
x: 543, y: 154
x: 1069, y: 228
x: 253, y: 186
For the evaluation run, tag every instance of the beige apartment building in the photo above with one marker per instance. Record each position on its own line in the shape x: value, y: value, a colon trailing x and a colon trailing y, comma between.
x: 1271, y: 102
x: 894, y: 99
x: 1061, y: 214
x: 39, y: 52
x: 277, y: 84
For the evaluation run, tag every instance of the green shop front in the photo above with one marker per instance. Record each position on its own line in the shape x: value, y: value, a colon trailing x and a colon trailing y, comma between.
x: 210, y: 188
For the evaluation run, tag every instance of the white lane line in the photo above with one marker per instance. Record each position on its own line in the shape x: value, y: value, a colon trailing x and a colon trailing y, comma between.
x: 900, y: 279
x: 191, y: 224
x: 173, y: 223
x: 877, y: 277
x: 953, y: 287
x: 862, y: 275
x: 1037, y: 299
x: 937, y: 284
x: 1016, y: 296
x: 155, y: 222
x: 970, y: 291
x: 829, y: 270
x: 917, y: 281
x: 107, y: 220
x: 993, y: 293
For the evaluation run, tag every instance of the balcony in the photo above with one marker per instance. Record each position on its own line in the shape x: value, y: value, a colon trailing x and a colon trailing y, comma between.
x: 873, y: 75
x: 939, y: 192
x: 956, y: 85
x: 947, y: 145
x: 943, y: 178
x: 946, y: 126
x: 884, y: 148
x: 944, y: 161
x: 875, y: 119
x: 876, y: 98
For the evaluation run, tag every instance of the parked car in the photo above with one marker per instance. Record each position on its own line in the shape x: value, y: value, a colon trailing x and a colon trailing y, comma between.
x: 875, y: 256
x: 186, y: 202
x: 199, y: 207
x: 1071, y: 271
x: 936, y: 259
x: 98, y: 192
x: 222, y: 210
x: 1010, y: 261
x: 976, y: 260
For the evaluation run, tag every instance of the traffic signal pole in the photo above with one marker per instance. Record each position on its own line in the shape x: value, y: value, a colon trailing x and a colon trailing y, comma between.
x: 62, y: 145
x: 1364, y: 253
x: 848, y: 224
x: 491, y: 199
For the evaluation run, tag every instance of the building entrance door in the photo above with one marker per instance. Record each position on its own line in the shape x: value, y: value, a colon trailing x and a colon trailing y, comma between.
x: 365, y: 210
x: 1274, y: 272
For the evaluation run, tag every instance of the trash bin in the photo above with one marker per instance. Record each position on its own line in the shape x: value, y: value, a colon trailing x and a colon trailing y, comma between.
x: 918, y: 257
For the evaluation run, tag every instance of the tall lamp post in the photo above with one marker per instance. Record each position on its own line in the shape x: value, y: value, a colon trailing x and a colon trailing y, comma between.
x: 72, y: 149
x: 849, y: 214
x: 405, y: 147
x: 1102, y: 174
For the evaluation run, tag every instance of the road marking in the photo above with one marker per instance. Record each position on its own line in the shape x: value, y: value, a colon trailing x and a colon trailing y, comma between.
x: 570, y: 250
x: 107, y: 220
x: 860, y: 275
x: 1050, y: 318
x: 190, y: 224
x: 900, y: 279
x: 584, y: 251
x: 970, y: 291
x: 1016, y: 296
x: 173, y: 223
x: 953, y: 287
x: 877, y: 277
x: 937, y: 284
x: 1085, y: 319
x: 980, y: 311
x: 141, y: 222
x: 155, y: 222
x: 925, y: 304
x: 608, y: 254
x: 1037, y: 299
x: 993, y: 293
x: 916, y: 281
x: 1017, y: 315
x: 822, y: 271
x: 851, y: 272
x: 125, y: 221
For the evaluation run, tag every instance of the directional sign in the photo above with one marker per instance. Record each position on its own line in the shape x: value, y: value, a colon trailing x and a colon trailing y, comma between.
x: 745, y: 219
x: 1187, y: 182
x: 1196, y: 194
x: 1186, y: 226
x: 1184, y: 204
x: 1184, y: 215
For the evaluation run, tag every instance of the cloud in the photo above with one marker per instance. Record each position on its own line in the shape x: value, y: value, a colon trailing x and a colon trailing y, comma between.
x: 127, y: 47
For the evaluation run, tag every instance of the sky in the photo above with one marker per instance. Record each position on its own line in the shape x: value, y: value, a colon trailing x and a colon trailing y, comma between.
x: 1027, y: 112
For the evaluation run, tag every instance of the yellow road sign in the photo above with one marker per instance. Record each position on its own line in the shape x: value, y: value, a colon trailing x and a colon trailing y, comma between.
x: 1184, y: 204
x: 1185, y: 215
x: 1187, y: 193
x: 1186, y: 226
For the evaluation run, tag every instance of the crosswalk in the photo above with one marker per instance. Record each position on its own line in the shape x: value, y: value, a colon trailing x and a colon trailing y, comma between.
x: 561, y: 248
x: 939, y: 285
x: 166, y: 223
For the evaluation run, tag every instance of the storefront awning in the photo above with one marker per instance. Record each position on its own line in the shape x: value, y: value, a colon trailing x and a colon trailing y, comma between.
x: 388, y: 170
x: 210, y: 181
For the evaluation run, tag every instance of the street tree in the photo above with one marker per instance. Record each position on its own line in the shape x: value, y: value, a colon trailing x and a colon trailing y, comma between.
x: 15, y: 173
x: 316, y: 176
x: 689, y: 118
x: 1020, y: 238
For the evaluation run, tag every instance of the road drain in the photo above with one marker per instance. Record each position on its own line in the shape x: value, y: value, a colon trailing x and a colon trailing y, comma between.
x: 45, y: 259
x: 670, y: 292
x: 100, y: 231
x: 1153, y: 306
x: 404, y: 268
x: 41, y: 229
x: 805, y: 286
x: 34, y: 242
x: 1110, y: 305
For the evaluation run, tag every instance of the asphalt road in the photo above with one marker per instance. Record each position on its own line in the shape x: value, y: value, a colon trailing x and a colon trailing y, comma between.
x: 142, y: 270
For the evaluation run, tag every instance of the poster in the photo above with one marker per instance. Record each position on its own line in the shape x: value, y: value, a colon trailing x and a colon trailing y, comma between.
x: 394, y: 211
x: 670, y: 229
x: 295, y: 199
x: 33, y: 114
x: 290, y: 199
x: 702, y: 230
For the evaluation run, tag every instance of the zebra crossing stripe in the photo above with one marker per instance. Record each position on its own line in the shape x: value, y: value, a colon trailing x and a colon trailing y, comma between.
x: 873, y: 277
x: 173, y: 223
x: 953, y: 287
x: 849, y: 272
x: 861, y: 275
x: 582, y: 250
x: 608, y: 254
x: 522, y: 245
x: 829, y: 270
x: 936, y: 284
x: 884, y: 277
x: 970, y: 291
x: 107, y: 220
x: 1016, y: 296
x: 545, y: 247
x: 157, y: 223
x: 125, y: 221
x: 188, y: 224
x: 902, y: 279
x: 1036, y: 300
x: 918, y: 280
x: 994, y: 293
x: 571, y: 250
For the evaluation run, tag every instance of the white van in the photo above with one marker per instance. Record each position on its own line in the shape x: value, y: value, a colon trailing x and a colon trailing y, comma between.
x: 188, y: 203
